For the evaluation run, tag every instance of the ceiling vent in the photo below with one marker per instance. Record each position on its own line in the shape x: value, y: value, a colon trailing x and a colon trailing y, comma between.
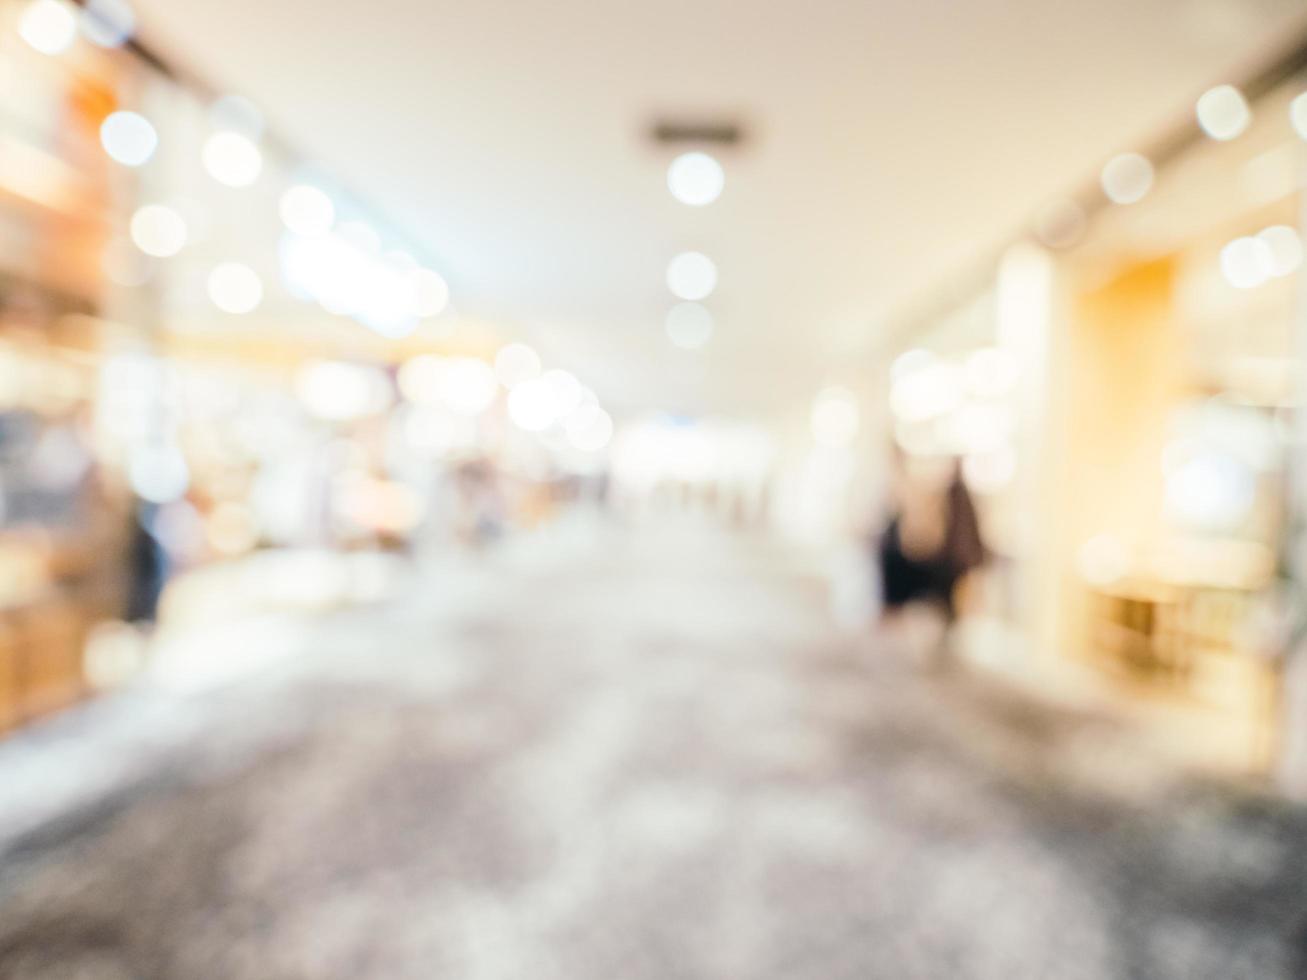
x: 698, y: 132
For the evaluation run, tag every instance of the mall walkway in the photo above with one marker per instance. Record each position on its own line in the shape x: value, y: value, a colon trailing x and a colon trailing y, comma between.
x: 638, y: 756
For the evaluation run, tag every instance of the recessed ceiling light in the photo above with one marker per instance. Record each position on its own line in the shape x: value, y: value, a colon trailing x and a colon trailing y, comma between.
x: 48, y: 25
x: 235, y: 288
x: 232, y: 159
x: 695, y: 179
x: 1298, y: 115
x: 1223, y: 112
x: 689, y: 325
x: 1127, y: 178
x: 128, y: 138
x: 691, y: 276
x: 158, y: 230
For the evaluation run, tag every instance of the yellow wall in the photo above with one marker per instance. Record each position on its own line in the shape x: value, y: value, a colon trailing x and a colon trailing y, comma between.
x: 1117, y: 372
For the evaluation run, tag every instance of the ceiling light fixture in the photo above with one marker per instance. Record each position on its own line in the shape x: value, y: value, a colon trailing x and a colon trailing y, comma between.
x: 1223, y: 112
x: 1127, y: 178
x: 691, y: 276
x: 695, y: 179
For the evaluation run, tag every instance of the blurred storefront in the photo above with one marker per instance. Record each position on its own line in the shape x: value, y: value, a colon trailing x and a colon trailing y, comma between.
x: 1134, y: 464
x: 1174, y: 391
x: 211, y: 351
x: 64, y: 532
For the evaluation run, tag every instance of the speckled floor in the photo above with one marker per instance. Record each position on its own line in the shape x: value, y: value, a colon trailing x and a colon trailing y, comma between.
x: 639, y: 756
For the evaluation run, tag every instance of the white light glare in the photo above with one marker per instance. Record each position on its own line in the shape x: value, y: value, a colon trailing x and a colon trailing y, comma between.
x: 989, y: 472
x: 585, y: 412
x: 307, y: 210
x: 689, y: 325
x: 128, y: 138
x: 430, y: 293
x: 1212, y: 490
x: 933, y: 390
x: 419, y: 378
x: 1273, y: 252
x: 834, y: 418
x: 516, y: 364
x: 910, y: 362
x: 232, y: 158
x: 531, y: 405
x: 1298, y: 115
x: 1127, y: 178
x: 592, y: 433
x: 235, y: 288
x: 48, y: 25
x: 695, y: 179
x: 431, y: 430
x: 339, y: 390
x: 564, y: 389
x: 977, y: 427
x: 991, y: 372
x: 349, y: 281
x: 158, y: 474
x: 361, y: 235
x: 1223, y: 113
x: 1246, y: 262
x: 691, y: 276
x: 466, y: 385
x: 1285, y: 247
x: 401, y: 261
x: 158, y: 230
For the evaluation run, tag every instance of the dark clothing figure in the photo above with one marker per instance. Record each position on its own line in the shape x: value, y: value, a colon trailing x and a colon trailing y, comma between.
x: 905, y: 578
x: 933, y: 577
x: 148, y: 567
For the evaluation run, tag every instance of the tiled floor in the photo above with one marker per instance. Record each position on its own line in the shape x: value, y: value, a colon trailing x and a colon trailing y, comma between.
x: 638, y: 755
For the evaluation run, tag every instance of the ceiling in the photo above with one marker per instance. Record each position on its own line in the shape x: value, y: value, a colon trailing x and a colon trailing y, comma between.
x: 890, y: 144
